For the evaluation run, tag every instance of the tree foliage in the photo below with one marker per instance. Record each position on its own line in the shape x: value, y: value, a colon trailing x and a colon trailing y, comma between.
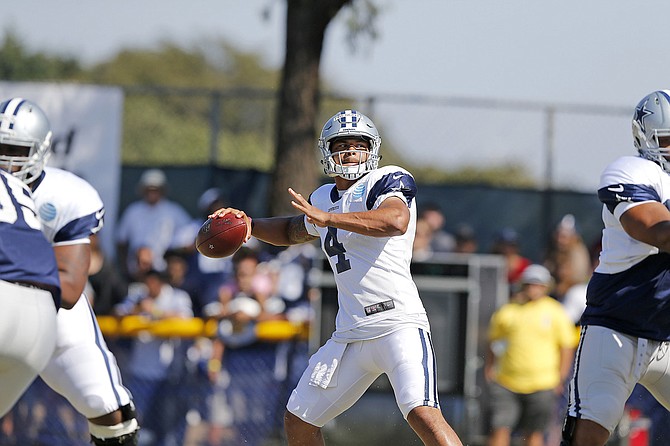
x: 18, y: 64
x: 174, y: 123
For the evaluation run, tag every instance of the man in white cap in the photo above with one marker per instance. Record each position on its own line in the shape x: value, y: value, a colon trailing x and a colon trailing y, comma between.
x: 151, y: 222
x: 531, y: 345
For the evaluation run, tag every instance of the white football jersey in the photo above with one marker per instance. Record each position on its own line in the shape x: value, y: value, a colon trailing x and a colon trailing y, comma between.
x: 70, y: 210
x: 376, y: 293
x: 66, y: 220
x: 630, y: 289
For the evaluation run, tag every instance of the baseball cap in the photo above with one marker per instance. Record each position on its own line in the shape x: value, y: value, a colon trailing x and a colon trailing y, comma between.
x: 153, y: 178
x: 465, y: 232
x: 209, y: 197
x: 536, y: 274
x: 507, y: 235
x: 567, y: 225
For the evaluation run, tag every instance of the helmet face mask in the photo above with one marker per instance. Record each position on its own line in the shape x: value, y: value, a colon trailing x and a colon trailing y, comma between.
x: 25, y: 139
x: 651, y: 128
x: 350, y: 125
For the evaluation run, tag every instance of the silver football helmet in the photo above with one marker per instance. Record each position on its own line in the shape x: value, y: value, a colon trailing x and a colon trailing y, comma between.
x: 349, y: 123
x: 651, y: 121
x: 24, y: 125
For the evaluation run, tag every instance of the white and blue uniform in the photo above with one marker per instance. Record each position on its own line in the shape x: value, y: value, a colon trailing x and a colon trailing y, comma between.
x: 376, y: 293
x: 29, y: 292
x: 626, y: 323
x: 381, y: 324
x: 82, y: 368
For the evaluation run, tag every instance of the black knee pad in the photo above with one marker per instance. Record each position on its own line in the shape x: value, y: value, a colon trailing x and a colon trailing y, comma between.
x: 128, y: 412
x: 568, y: 430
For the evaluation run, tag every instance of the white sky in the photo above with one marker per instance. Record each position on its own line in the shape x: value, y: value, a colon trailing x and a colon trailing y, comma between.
x: 595, y: 52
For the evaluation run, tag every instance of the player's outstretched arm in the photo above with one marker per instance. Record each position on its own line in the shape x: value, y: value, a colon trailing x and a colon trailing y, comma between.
x: 278, y: 231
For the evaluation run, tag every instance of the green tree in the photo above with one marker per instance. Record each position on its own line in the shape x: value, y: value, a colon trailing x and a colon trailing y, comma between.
x: 176, y: 96
x: 17, y: 64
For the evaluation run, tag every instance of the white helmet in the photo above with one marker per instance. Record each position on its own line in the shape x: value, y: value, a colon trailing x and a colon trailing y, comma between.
x: 651, y: 121
x: 24, y: 125
x: 349, y: 123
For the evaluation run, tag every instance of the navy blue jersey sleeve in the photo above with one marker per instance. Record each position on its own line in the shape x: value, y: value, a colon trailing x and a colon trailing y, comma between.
x: 612, y: 195
x: 393, y: 182
x: 80, y: 228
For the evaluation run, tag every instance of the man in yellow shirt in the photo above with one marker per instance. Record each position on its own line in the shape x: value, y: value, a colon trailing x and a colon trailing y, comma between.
x: 531, y: 346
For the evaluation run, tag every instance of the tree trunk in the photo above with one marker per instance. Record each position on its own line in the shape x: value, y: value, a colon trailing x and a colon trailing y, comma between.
x: 298, y: 106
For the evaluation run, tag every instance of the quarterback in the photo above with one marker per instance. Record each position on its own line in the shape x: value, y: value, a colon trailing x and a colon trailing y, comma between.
x: 626, y: 323
x: 366, y: 223
x: 82, y: 368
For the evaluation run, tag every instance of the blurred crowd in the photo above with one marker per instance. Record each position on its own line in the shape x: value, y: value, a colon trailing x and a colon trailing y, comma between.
x: 231, y: 389
x: 225, y: 390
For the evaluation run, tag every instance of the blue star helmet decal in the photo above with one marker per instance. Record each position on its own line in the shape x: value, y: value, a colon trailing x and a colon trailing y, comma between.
x: 641, y: 112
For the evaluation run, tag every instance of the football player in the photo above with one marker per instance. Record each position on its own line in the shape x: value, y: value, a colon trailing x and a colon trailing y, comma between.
x: 626, y: 323
x: 366, y: 222
x: 29, y: 293
x: 82, y: 368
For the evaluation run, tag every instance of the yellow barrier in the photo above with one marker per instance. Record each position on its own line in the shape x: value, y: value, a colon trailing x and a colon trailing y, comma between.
x: 271, y: 331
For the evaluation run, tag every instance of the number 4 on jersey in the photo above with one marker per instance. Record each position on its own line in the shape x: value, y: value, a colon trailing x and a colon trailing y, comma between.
x: 335, y: 248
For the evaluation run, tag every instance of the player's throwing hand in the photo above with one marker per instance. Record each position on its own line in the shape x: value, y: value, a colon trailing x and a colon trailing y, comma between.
x: 314, y: 216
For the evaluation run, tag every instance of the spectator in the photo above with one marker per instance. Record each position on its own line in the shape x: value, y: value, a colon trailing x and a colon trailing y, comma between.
x: 296, y: 263
x: 441, y: 240
x: 176, y: 269
x: 244, y: 299
x: 249, y: 364
x: 507, y: 244
x: 422, y: 247
x: 574, y: 301
x: 142, y: 264
x: 568, y: 258
x: 153, y: 359
x: 466, y: 239
x: 531, y: 345
x: 106, y: 286
x: 151, y: 221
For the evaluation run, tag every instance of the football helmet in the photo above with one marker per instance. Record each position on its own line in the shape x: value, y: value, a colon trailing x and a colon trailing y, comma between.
x: 24, y: 125
x: 651, y: 121
x: 349, y: 123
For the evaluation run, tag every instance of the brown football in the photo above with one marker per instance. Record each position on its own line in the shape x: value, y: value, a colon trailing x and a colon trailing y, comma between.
x: 221, y: 237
